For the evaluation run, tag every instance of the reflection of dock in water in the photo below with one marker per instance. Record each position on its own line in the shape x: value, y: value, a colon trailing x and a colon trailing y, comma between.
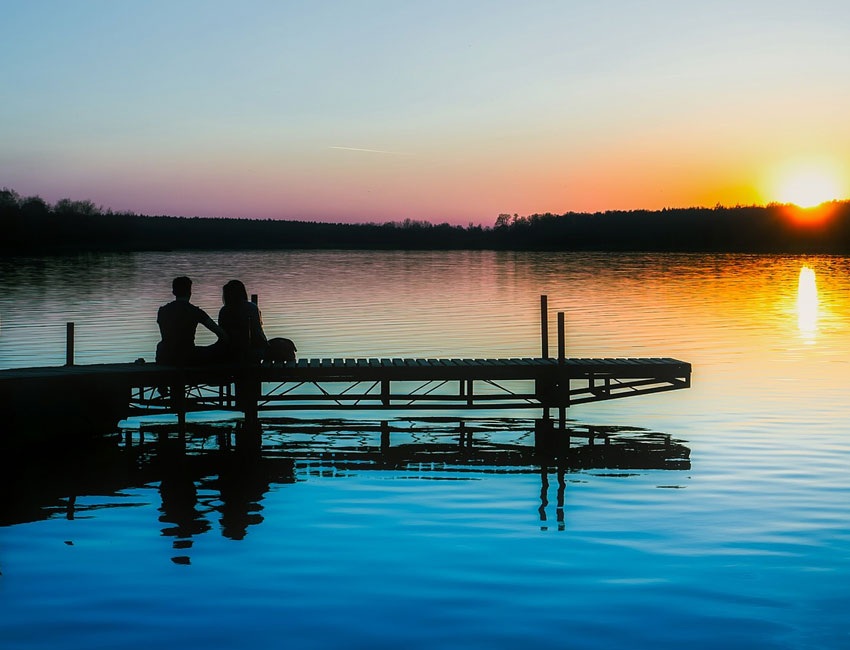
x: 481, y: 447
x: 239, y: 464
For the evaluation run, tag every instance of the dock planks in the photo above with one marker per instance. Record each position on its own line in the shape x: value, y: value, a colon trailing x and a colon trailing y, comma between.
x: 340, y: 383
x: 354, y: 369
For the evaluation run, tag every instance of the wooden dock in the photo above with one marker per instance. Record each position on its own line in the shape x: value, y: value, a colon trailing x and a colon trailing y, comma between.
x: 103, y: 393
x: 116, y: 391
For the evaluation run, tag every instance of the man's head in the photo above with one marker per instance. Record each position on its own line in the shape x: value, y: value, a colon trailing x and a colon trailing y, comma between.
x: 181, y: 287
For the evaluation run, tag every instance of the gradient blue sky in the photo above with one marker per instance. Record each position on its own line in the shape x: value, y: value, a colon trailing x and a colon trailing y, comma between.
x: 447, y: 111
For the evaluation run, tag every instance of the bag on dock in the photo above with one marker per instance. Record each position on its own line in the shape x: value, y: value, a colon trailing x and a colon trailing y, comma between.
x: 281, y: 349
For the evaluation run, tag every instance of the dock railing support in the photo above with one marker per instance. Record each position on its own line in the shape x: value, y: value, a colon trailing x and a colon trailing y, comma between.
x: 562, y: 345
x: 252, y: 407
x: 178, y: 397
x: 385, y: 392
x: 69, y: 344
x: 564, y: 388
x: 544, y: 326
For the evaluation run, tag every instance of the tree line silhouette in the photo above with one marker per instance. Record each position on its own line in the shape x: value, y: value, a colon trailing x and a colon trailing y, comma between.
x: 30, y: 225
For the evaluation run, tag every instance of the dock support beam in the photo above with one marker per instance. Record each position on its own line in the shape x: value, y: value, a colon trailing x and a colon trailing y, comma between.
x: 562, y: 344
x: 178, y: 399
x: 544, y: 326
x: 564, y: 388
x: 69, y: 344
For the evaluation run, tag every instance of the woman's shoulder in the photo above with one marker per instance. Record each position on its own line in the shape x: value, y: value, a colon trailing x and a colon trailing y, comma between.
x: 250, y: 308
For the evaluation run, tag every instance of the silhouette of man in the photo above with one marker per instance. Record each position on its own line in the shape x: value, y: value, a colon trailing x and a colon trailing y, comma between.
x: 177, y: 322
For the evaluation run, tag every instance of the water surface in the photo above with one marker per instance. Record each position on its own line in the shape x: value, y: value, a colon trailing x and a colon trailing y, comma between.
x: 302, y: 544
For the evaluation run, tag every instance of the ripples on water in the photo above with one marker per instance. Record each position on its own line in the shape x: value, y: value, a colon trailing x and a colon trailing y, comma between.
x: 747, y: 546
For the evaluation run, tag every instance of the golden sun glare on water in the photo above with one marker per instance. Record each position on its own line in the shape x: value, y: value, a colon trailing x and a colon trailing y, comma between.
x: 807, y: 303
x: 808, y: 187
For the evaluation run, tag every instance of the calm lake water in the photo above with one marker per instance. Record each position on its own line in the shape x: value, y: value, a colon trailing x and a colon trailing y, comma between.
x: 714, y: 517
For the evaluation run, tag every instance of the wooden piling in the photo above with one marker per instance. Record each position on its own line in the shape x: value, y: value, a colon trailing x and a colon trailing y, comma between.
x: 69, y: 344
x: 544, y: 326
x: 254, y: 298
x: 561, y: 338
x: 385, y: 392
x: 562, y: 353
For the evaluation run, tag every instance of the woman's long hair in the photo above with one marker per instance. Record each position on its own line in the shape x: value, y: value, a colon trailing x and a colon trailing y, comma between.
x: 234, y: 293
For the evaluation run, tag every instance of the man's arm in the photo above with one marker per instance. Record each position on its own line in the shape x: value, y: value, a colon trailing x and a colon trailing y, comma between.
x: 210, y: 324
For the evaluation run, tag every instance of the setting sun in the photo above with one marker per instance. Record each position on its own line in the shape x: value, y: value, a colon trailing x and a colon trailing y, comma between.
x: 808, y: 187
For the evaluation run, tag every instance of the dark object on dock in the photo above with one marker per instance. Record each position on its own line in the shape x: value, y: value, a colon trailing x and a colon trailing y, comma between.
x: 281, y: 350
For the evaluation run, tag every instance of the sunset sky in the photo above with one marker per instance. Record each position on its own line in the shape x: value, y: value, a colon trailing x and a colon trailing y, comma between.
x: 446, y: 111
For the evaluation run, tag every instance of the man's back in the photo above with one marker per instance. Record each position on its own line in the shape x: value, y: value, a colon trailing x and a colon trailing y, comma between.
x: 177, y: 321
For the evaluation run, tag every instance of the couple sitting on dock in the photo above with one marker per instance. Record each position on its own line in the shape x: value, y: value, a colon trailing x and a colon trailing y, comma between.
x: 239, y: 330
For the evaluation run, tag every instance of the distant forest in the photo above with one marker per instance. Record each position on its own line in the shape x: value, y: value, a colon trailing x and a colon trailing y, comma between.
x: 30, y: 225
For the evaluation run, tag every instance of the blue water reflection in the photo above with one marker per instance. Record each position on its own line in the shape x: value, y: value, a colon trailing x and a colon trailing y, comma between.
x: 303, y: 520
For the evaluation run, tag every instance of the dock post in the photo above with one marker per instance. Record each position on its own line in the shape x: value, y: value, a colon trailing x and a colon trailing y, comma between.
x: 562, y: 345
x: 252, y: 390
x: 254, y: 298
x: 69, y: 344
x: 177, y: 388
x: 181, y: 407
x: 561, y: 338
x: 544, y: 326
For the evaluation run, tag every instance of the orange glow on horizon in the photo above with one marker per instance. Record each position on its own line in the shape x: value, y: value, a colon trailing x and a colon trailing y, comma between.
x: 810, y: 216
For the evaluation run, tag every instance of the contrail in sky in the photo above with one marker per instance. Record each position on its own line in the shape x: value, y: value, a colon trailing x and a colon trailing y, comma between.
x: 392, y: 153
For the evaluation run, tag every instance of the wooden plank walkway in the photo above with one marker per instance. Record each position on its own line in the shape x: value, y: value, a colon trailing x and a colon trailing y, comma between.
x: 340, y: 383
x: 364, y: 369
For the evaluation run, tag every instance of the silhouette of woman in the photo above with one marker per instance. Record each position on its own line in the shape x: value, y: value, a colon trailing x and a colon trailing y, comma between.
x: 242, y: 320
x: 243, y: 323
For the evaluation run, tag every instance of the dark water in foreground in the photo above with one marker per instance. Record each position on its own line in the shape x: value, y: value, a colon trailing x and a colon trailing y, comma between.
x: 714, y: 517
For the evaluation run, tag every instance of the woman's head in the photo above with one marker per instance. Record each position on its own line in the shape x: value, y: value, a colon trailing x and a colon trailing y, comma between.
x: 234, y: 292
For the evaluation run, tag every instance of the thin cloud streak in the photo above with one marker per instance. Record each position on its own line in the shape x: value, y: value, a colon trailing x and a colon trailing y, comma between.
x: 392, y: 153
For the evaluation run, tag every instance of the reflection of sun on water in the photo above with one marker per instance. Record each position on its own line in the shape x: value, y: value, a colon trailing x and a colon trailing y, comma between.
x: 807, y: 303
